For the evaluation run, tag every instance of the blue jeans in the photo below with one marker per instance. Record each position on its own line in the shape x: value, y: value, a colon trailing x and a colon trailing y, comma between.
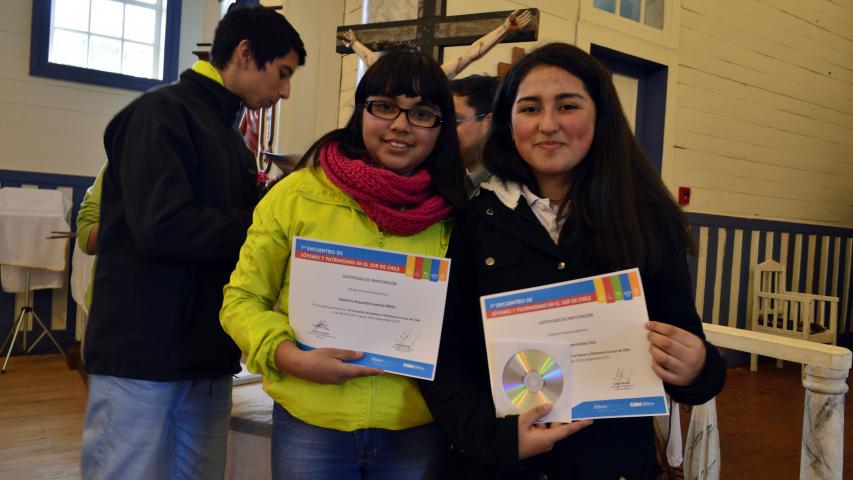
x: 303, y: 451
x: 139, y: 429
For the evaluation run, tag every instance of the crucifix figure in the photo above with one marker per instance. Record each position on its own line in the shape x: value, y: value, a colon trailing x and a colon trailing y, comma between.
x: 432, y: 31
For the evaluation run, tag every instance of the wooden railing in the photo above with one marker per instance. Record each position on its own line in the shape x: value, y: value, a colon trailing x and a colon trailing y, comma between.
x: 826, y: 369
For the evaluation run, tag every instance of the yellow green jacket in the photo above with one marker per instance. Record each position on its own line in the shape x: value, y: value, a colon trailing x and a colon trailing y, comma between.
x: 89, y: 216
x: 255, y: 307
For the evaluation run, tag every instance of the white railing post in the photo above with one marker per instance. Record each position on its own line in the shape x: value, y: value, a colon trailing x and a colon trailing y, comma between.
x: 825, y: 381
x: 822, y: 453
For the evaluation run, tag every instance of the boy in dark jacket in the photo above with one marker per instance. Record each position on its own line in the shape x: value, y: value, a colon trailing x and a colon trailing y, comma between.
x: 176, y: 203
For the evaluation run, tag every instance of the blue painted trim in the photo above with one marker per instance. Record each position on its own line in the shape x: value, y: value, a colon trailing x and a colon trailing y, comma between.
x: 743, y: 294
x: 804, y: 265
x: 40, y: 66
x: 651, y: 97
x: 842, y: 312
x: 777, y: 247
x: 762, y: 246
x: 710, y: 274
x: 725, y: 279
x: 831, y: 265
x: 769, y: 225
x: 55, y: 179
x: 692, y: 261
x: 818, y: 251
x: 789, y: 259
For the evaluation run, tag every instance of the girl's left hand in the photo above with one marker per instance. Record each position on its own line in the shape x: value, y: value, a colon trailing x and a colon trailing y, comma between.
x: 677, y: 355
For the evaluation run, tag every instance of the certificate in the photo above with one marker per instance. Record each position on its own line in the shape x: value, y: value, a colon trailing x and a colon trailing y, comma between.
x: 387, y: 304
x: 602, y: 319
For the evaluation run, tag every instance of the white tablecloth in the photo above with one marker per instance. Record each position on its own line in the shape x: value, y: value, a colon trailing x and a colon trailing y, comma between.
x: 27, y: 218
x: 81, y: 276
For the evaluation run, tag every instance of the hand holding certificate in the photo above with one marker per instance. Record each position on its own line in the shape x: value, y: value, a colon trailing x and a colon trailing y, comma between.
x: 584, y: 339
x: 389, y: 305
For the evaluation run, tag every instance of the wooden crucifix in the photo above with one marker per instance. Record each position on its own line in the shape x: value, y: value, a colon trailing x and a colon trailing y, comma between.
x: 433, y: 30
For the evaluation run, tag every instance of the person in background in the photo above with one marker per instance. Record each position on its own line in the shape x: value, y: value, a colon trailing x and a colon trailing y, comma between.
x: 571, y: 196
x: 87, y: 224
x: 472, y: 99
x: 389, y: 179
x: 176, y: 202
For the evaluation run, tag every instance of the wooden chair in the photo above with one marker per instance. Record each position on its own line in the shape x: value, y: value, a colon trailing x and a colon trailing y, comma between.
x: 792, y: 314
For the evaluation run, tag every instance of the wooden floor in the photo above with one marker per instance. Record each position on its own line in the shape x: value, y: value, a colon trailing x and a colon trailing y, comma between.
x: 42, y: 404
x: 761, y: 423
x: 761, y: 415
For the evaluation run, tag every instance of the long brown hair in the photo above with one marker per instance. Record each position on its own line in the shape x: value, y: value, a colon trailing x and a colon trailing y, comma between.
x: 621, y: 210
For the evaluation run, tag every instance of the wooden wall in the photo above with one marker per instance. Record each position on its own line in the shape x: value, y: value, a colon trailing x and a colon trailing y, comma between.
x: 312, y: 109
x: 53, y: 126
x: 765, y: 109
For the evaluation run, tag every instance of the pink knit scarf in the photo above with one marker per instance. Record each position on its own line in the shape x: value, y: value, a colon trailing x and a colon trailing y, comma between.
x: 382, y: 193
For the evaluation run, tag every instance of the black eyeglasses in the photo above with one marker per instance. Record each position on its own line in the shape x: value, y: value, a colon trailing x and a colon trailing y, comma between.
x: 470, y: 117
x: 418, y: 117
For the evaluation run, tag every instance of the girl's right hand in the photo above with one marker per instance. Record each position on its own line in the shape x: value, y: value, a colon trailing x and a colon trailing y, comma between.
x: 535, y: 438
x: 322, y: 365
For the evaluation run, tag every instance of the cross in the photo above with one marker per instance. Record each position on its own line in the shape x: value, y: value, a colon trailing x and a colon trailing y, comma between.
x: 433, y: 30
x: 503, y: 68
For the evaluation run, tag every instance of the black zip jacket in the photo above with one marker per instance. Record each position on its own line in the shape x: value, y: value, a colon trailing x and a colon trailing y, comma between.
x: 175, y: 207
x: 521, y: 255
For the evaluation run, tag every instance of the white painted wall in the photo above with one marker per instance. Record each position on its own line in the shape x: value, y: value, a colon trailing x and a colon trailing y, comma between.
x: 765, y: 109
x: 312, y: 109
x: 53, y: 126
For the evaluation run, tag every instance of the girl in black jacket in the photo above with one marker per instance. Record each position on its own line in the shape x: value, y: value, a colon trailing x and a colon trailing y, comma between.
x: 572, y: 196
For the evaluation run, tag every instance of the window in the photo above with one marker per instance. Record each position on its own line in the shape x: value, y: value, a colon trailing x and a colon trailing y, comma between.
x: 649, y: 12
x: 130, y: 44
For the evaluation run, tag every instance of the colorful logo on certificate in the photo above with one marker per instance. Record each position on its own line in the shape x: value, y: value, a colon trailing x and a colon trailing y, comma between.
x: 604, y: 289
x: 423, y: 268
x: 615, y: 288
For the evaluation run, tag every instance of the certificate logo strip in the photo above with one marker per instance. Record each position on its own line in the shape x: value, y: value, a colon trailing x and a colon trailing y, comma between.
x: 389, y: 364
x: 620, y: 407
x: 603, y: 289
x: 413, y: 266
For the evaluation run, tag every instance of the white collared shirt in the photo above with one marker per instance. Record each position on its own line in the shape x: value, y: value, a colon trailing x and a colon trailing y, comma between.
x: 549, y: 215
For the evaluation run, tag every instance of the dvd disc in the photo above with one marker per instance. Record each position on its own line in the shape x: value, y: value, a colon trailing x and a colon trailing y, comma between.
x: 532, y: 377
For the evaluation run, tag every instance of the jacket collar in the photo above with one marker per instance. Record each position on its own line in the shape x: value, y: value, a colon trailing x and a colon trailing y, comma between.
x: 226, y: 104
x: 501, y: 205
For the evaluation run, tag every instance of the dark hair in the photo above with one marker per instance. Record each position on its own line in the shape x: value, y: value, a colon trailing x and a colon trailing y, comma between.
x: 478, y: 91
x: 620, y: 208
x: 410, y: 73
x: 270, y: 36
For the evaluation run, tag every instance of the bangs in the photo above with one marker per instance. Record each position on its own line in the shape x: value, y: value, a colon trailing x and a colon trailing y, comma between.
x: 405, y: 72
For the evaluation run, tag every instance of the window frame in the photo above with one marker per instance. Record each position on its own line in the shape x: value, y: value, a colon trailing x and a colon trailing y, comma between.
x: 40, y: 66
x: 665, y: 36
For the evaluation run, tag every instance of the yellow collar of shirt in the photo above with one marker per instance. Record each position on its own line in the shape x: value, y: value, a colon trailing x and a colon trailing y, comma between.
x: 205, y: 68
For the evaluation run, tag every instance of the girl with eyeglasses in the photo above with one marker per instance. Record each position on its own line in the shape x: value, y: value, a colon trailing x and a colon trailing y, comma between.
x: 390, y: 179
x: 572, y: 196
